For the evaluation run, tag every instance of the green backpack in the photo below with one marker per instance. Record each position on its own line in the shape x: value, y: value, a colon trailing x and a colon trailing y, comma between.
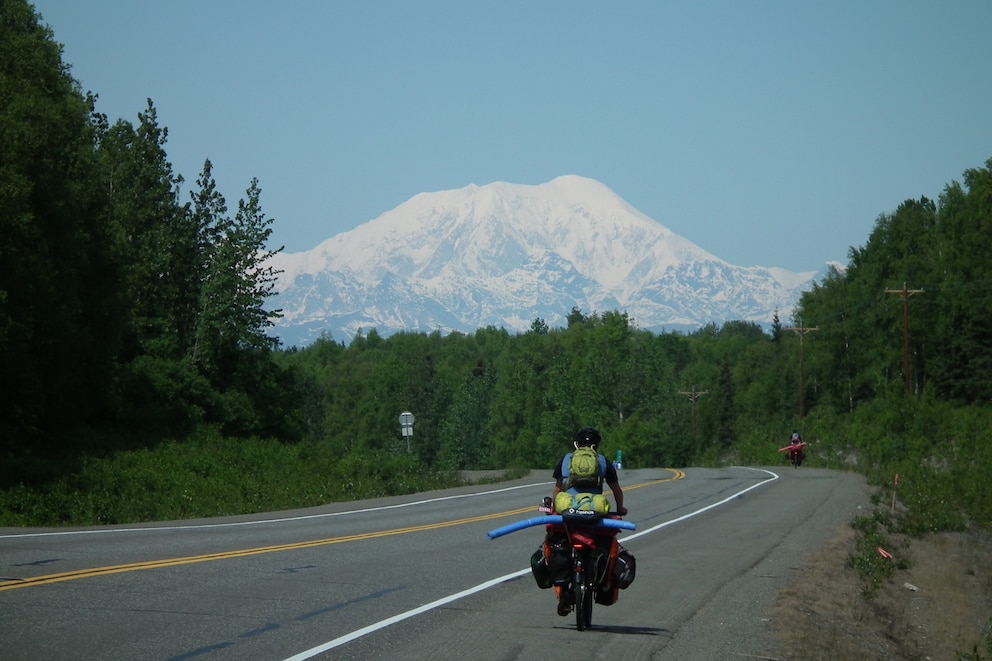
x: 583, y: 469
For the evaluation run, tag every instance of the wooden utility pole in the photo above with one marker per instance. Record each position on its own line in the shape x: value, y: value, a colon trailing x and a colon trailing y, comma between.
x: 693, y: 395
x: 802, y: 330
x: 906, y: 293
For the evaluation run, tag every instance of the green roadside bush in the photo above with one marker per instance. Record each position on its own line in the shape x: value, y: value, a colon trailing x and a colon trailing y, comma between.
x: 212, y: 475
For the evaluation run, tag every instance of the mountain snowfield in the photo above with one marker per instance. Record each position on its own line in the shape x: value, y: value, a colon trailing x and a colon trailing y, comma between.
x: 506, y: 254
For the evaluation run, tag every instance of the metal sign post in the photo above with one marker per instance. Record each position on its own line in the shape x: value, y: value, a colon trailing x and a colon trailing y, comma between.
x: 406, y: 427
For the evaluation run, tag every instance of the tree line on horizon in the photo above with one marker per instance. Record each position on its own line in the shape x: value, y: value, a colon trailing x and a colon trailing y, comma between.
x: 131, y: 317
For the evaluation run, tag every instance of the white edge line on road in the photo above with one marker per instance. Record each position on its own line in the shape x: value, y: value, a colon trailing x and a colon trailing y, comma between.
x: 708, y: 507
x: 314, y: 651
x: 231, y: 524
x: 382, y: 624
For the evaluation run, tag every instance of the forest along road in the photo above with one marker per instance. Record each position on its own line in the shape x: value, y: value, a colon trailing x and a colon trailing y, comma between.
x: 415, y: 577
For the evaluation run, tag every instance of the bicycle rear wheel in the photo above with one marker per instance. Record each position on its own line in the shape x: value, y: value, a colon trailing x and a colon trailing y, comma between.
x: 583, y: 606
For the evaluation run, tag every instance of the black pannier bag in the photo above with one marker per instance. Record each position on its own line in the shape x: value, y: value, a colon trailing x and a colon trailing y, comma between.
x: 539, y: 568
x: 624, y: 569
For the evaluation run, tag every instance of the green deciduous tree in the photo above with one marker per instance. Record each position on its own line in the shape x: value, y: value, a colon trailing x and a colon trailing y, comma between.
x: 58, y: 277
x: 957, y: 323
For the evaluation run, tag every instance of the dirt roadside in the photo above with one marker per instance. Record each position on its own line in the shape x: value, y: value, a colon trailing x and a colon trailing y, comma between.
x: 940, y: 608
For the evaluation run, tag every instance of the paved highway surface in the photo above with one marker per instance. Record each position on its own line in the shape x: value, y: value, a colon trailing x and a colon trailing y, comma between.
x: 415, y: 577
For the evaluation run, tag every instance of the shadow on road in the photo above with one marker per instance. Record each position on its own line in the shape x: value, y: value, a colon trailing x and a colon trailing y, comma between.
x: 618, y: 628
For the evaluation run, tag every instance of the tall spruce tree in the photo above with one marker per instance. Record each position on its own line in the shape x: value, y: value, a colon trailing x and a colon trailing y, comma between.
x: 197, y: 239
x: 149, y: 224
x: 257, y: 282
x: 239, y: 281
x: 209, y: 230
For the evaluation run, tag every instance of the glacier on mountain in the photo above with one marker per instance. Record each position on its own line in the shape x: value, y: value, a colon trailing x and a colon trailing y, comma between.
x: 503, y: 255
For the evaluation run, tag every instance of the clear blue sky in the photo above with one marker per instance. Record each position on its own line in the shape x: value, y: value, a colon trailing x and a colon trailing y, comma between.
x: 769, y: 133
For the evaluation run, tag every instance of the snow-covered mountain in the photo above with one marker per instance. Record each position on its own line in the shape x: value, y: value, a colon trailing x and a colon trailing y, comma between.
x: 505, y: 254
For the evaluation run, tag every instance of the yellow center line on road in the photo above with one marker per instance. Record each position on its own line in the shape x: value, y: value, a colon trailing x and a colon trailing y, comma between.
x: 677, y: 475
x: 173, y: 562
x: 210, y: 557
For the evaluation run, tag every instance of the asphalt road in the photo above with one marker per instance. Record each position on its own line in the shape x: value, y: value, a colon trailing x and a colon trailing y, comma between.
x: 416, y: 577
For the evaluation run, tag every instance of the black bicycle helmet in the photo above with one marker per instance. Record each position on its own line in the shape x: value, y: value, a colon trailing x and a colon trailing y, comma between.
x: 588, y: 436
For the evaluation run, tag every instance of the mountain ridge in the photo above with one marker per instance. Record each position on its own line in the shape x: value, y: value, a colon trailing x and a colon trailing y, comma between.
x: 505, y: 254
